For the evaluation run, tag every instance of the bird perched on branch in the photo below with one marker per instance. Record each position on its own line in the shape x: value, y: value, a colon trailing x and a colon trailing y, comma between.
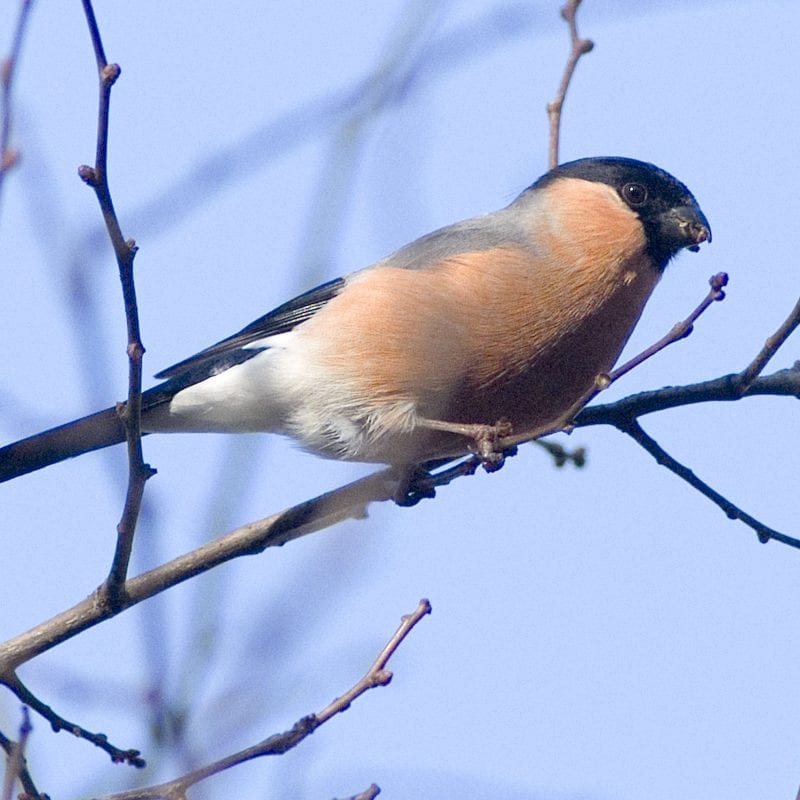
x: 509, y: 316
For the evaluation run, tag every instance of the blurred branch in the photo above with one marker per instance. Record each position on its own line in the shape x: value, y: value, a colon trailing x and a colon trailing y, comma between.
x: 125, y: 251
x: 376, y: 675
x: 397, y: 63
x: 9, y: 156
x: 561, y: 456
x: 16, y: 767
x: 205, y: 179
x: 400, y: 61
x: 580, y: 47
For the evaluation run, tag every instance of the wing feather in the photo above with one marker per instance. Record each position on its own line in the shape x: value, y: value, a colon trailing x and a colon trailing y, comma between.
x: 234, y: 349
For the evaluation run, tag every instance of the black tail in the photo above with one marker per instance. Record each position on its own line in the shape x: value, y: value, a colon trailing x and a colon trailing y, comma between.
x: 49, y: 447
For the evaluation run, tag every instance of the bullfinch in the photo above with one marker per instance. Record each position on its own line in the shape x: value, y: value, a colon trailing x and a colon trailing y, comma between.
x: 509, y: 316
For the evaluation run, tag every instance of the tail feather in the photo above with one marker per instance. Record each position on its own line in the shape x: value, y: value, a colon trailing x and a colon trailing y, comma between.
x: 94, y: 432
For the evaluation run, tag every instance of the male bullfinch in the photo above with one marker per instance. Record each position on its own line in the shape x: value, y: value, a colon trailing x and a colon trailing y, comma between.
x: 507, y: 316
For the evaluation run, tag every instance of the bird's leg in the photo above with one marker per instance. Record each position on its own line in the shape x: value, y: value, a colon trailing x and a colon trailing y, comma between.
x: 415, y: 484
x: 420, y: 482
x: 485, y: 437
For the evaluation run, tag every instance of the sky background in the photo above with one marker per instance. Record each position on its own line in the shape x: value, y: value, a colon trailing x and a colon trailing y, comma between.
x: 597, y: 634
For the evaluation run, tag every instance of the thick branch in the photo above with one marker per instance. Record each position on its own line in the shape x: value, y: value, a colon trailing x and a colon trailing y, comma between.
x: 727, y: 388
x: 347, y: 502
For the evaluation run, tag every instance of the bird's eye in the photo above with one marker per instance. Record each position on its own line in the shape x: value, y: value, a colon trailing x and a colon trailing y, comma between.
x: 634, y: 194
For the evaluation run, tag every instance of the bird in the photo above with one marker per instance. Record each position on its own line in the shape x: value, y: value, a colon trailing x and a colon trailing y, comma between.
x: 497, y: 323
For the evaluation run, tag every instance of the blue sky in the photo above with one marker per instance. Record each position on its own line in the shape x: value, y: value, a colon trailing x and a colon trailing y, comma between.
x: 603, y: 633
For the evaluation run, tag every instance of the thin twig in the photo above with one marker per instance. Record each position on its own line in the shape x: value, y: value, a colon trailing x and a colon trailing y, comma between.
x: 376, y: 675
x: 9, y: 156
x: 580, y: 47
x: 566, y: 422
x: 756, y: 366
x: 58, y: 723
x: 680, y: 331
x: 125, y: 251
x: 731, y: 511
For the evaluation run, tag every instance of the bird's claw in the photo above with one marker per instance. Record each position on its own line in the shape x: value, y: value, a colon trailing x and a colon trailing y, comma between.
x: 487, y: 438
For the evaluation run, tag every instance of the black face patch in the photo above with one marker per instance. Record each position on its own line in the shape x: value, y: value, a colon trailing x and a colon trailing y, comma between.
x: 665, y: 206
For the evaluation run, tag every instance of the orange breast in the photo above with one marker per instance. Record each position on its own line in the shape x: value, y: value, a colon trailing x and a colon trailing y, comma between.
x: 512, y: 332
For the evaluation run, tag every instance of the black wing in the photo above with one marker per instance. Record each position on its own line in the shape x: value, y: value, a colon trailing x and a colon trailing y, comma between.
x: 229, y: 352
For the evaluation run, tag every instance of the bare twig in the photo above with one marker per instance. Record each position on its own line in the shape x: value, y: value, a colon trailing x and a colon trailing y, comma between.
x: 9, y: 156
x: 765, y: 533
x: 376, y: 675
x: 579, y: 48
x: 58, y: 723
x: 756, y: 366
x: 681, y: 330
x: 125, y: 251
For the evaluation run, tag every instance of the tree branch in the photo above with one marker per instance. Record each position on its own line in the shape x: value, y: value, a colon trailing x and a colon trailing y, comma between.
x: 726, y: 388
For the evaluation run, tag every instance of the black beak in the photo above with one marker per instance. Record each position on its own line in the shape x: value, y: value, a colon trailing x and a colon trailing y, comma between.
x: 687, y: 227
